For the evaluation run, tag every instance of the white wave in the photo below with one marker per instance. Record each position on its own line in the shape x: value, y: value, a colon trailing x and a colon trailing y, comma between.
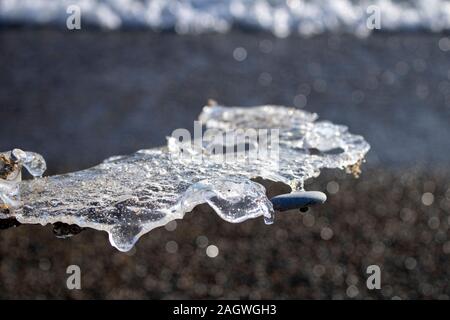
x: 282, y: 17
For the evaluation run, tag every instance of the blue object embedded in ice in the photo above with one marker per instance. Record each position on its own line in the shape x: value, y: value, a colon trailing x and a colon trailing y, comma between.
x: 297, y: 200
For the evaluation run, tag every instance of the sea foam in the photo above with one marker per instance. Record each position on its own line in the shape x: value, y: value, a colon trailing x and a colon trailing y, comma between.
x: 282, y: 18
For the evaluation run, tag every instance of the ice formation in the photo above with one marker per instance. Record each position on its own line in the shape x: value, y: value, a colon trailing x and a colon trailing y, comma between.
x: 282, y: 17
x: 128, y: 196
x: 11, y: 175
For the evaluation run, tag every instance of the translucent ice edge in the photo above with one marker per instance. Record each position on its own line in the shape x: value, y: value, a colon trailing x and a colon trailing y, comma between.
x: 281, y: 17
x: 128, y: 196
x: 11, y: 175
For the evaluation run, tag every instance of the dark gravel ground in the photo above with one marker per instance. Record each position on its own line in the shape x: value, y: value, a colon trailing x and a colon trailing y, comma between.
x: 78, y: 98
x: 377, y: 219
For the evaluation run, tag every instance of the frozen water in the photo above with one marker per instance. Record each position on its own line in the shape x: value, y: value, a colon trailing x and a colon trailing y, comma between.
x: 33, y: 162
x: 11, y: 175
x: 128, y: 196
x: 281, y: 17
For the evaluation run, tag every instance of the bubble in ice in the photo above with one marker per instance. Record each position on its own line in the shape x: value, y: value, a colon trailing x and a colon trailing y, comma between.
x: 128, y: 196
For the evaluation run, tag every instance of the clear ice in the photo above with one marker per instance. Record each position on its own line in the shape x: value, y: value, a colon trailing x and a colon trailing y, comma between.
x: 128, y: 196
x: 281, y: 17
x: 11, y: 175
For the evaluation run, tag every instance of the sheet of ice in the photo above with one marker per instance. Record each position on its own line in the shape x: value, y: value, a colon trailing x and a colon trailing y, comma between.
x: 282, y: 17
x: 128, y: 196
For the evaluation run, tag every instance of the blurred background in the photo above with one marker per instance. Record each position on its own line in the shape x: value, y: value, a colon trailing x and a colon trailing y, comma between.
x: 138, y: 69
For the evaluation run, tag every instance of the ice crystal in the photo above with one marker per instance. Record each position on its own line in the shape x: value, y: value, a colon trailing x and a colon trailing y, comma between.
x: 128, y: 196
